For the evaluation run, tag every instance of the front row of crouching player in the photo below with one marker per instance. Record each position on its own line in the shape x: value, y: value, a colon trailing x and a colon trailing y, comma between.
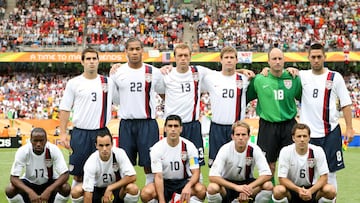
x: 110, y: 177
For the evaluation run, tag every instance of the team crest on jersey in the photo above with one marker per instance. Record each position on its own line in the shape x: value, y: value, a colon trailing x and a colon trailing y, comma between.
x: 311, y: 162
x: 239, y: 84
x: 183, y: 156
x: 249, y: 161
x: 115, y: 167
x: 48, y: 163
x: 328, y: 84
x: 148, y: 77
x: 288, y: 84
x: 104, y: 87
x: 195, y: 76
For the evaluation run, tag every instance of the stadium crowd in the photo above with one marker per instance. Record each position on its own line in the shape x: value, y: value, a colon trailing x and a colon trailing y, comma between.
x: 255, y: 26
x: 292, y: 25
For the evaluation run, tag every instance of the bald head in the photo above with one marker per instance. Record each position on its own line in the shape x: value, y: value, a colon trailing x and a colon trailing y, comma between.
x: 276, y: 61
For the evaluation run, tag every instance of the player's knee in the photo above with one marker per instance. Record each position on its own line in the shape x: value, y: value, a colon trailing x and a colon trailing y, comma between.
x: 213, y: 188
x: 279, y: 192
x: 10, y: 191
x: 77, y: 191
x: 132, y: 189
x: 200, y: 190
x: 329, y: 191
x: 267, y: 185
x: 148, y: 193
x: 65, y: 189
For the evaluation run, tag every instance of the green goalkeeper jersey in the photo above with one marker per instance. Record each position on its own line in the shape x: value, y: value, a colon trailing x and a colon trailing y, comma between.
x: 276, y: 96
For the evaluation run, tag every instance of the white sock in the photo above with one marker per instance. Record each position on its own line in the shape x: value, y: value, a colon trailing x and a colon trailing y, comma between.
x: 131, y: 198
x: 16, y: 199
x: 60, y: 199
x: 332, y: 179
x: 78, y: 200
x: 153, y: 201
x: 215, y: 198
x: 283, y: 200
x: 263, y: 196
x: 325, y: 200
x: 194, y: 199
x: 149, y: 178
x: 74, y: 183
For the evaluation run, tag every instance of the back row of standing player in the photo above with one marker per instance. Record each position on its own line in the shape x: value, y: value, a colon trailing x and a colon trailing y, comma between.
x: 134, y: 85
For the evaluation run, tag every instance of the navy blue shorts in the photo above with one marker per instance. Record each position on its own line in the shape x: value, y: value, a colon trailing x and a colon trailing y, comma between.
x: 171, y: 186
x: 137, y: 136
x: 83, y: 145
x: 272, y: 137
x: 332, y: 145
x: 39, y: 189
x: 192, y: 132
x: 218, y: 136
x: 232, y: 194
x: 99, y: 193
x: 296, y: 199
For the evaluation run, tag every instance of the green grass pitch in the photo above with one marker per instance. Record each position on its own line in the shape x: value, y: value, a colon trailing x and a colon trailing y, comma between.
x: 348, y: 179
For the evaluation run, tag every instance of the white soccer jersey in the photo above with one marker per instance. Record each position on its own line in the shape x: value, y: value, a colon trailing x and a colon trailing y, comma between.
x: 90, y: 101
x: 35, y: 166
x: 183, y: 92
x: 319, y: 101
x: 137, y: 91
x: 227, y: 96
x: 232, y: 165
x: 295, y: 167
x: 168, y: 160
x: 98, y: 173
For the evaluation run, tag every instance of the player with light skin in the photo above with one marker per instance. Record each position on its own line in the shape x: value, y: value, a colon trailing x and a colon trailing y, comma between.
x: 276, y: 106
x: 227, y: 90
x: 231, y: 176
x: 83, y: 92
x: 108, y: 174
x: 303, y: 171
x: 174, y: 160
x: 46, y: 173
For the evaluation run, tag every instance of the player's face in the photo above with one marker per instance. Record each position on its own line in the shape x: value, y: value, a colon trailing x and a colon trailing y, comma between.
x: 38, y: 141
x: 173, y: 129
x: 182, y: 58
x: 104, y: 145
x: 276, y: 60
x: 240, y: 138
x: 317, y: 59
x: 134, y: 53
x: 90, y: 63
x: 228, y: 62
x: 301, y: 139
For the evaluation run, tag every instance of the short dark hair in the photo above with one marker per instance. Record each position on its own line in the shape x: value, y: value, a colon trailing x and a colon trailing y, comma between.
x: 173, y: 118
x: 88, y: 50
x: 103, y: 133
x: 316, y: 46
x: 133, y: 39
x: 300, y: 126
x: 38, y: 131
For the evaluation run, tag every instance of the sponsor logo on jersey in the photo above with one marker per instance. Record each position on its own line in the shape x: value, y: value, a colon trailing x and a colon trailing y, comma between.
x: 288, y: 84
x: 328, y: 84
